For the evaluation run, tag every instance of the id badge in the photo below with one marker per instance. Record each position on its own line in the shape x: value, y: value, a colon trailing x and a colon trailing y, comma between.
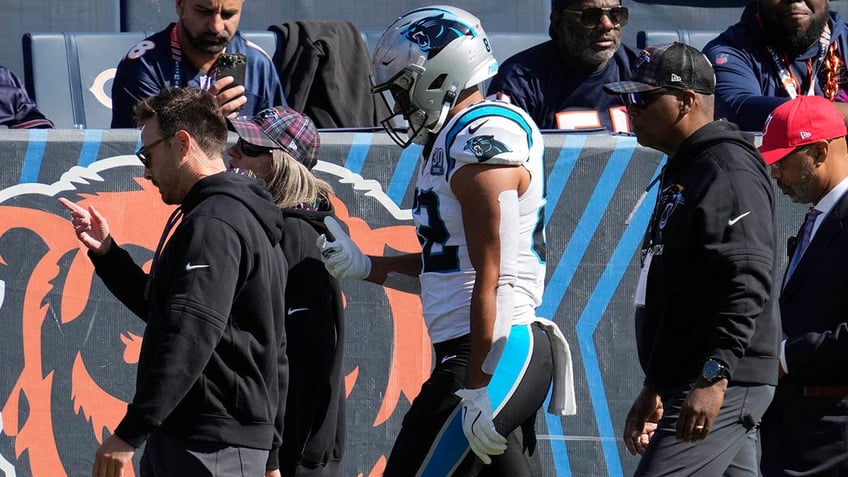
x: 641, y: 287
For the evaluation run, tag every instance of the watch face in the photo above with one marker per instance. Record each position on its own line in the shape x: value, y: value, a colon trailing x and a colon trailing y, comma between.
x: 712, y: 370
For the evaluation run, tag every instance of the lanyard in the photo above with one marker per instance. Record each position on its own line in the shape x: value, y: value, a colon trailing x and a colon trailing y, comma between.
x: 787, y: 78
x: 177, y: 57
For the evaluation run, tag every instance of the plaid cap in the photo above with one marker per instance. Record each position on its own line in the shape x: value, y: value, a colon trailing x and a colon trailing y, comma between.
x: 281, y: 128
x: 798, y: 122
x: 673, y: 66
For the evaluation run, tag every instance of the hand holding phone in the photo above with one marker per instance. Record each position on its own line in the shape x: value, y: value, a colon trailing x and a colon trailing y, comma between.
x: 232, y: 64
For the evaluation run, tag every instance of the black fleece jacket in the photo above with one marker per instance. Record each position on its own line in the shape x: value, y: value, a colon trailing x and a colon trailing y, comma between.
x: 211, y: 365
x: 314, y: 431
x: 709, y: 287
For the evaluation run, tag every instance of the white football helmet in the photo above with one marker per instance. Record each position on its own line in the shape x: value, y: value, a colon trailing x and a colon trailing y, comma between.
x: 424, y: 60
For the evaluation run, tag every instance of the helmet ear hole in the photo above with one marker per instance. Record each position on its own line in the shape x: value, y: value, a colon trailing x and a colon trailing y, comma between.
x: 438, y: 82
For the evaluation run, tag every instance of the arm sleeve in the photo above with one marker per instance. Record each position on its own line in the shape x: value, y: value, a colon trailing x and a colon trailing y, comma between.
x: 739, y: 95
x: 126, y: 280
x: 133, y: 82
x: 17, y: 109
x: 743, y: 252
x: 194, y: 315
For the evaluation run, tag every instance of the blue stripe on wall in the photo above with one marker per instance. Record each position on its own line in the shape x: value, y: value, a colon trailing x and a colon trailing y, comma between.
x: 562, y: 170
x: 34, y: 155
x: 588, y: 323
x: 90, y: 146
x: 579, y: 242
x: 359, y: 147
x: 404, y: 172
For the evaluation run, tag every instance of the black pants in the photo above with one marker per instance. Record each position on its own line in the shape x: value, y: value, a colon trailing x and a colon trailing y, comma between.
x: 431, y: 441
x: 731, y: 448
x: 166, y: 457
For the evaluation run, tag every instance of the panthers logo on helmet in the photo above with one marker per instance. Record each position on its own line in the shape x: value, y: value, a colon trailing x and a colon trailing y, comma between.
x: 434, y: 33
x: 485, y: 147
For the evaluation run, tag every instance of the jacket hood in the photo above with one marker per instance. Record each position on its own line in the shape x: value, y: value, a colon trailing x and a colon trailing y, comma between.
x: 314, y: 217
x: 710, y: 134
x: 249, y: 191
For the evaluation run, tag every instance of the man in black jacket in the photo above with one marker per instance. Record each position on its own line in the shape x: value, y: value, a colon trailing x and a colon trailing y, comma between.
x: 805, y: 428
x: 706, y: 325
x: 211, y: 367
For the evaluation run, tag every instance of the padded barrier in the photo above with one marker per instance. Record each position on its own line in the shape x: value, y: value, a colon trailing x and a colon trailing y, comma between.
x: 68, y: 348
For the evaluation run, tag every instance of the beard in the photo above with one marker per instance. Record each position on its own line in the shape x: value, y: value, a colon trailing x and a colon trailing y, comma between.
x: 206, y: 42
x: 800, y: 193
x: 579, y: 46
x: 794, y: 41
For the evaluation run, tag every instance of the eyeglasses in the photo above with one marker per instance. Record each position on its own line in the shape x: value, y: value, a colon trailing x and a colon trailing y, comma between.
x: 143, y: 154
x: 643, y: 100
x: 590, y: 17
x: 252, y: 150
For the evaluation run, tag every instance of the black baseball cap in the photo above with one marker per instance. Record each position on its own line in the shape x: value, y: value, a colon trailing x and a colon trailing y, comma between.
x: 670, y: 66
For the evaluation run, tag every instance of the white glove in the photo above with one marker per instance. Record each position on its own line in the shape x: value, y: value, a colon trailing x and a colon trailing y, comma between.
x: 478, y: 426
x: 342, y: 258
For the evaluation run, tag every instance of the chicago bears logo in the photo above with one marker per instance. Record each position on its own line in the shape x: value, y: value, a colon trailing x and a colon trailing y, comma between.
x: 434, y: 33
x: 485, y: 147
x: 68, y: 364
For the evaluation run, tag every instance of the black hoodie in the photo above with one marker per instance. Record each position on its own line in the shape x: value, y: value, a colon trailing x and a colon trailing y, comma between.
x: 211, y: 366
x: 709, y: 288
x: 314, y: 431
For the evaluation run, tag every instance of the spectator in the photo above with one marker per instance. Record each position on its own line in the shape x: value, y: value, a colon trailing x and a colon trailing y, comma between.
x: 559, y: 82
x: 805, y: 428
x: 17, y: 110
x: 210, y: 372
x: 777, y: 51
x: 706, y: 327
x: 481, y: 270
x: 280, y: 146
x: 186, y: 54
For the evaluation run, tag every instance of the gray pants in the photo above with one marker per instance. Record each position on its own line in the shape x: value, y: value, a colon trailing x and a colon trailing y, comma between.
x: 731, y: 448
x: 166, y: 457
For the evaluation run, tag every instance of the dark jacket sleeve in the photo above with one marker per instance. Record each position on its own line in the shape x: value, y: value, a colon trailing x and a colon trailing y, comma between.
x: 133, y: 82
x: 126, y: 280
x: 739, y: 234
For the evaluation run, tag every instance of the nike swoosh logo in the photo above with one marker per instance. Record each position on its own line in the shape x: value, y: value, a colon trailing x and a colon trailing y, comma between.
x: 295, y: 310
x: 730, y: 222
x: 387, y: 63
x: 472, y: 129
x: 190, y: 267
x: 448, y: 358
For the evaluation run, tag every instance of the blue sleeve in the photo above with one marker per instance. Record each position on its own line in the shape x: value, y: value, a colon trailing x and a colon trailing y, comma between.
x: 512, y: 81
x: 17, y: 109
x: 133, y: 82
x: 739, y: 94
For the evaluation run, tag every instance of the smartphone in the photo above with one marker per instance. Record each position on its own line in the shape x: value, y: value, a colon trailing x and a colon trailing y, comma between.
x: 232, y: 64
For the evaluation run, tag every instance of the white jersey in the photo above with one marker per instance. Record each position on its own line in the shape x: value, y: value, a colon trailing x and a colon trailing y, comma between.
x: 488, y: 132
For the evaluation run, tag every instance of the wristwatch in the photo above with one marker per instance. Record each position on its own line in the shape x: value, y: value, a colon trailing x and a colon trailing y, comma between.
x: 714, y: 370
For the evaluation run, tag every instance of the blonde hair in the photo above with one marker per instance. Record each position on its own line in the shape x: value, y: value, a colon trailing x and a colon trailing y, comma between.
x: 292, y: 184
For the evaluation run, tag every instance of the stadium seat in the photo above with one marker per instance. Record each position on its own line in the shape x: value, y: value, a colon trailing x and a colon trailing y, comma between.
x: 69, y: 75
x: 506, y: 44
x: 267, y: 40
x: 696, y: 38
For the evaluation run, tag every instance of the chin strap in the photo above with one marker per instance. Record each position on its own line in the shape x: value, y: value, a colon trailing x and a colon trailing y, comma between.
x: 447, y: 103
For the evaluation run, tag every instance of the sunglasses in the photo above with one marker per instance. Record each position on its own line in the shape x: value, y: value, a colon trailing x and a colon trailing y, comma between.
x: 590, y: 17
x: 643, y: 100
x: 252, y: 150
x: 143, y: 153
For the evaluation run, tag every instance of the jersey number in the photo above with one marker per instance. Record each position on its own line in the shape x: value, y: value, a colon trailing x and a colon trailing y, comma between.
x: 436, y: 256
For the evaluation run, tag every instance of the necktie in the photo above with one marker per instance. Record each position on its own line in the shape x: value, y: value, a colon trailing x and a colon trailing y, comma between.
x: 803, y: 241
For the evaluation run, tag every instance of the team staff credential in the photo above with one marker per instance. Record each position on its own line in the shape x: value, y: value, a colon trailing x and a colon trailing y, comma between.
x: 186, y: 54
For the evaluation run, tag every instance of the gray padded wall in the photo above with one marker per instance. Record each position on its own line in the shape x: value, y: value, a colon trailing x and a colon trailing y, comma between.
x: 21, y: 16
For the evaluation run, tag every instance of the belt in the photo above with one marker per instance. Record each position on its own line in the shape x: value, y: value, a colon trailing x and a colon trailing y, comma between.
x: 836, y: 391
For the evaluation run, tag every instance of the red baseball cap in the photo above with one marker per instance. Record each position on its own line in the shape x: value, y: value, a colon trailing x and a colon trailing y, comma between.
x: 798, y: 122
